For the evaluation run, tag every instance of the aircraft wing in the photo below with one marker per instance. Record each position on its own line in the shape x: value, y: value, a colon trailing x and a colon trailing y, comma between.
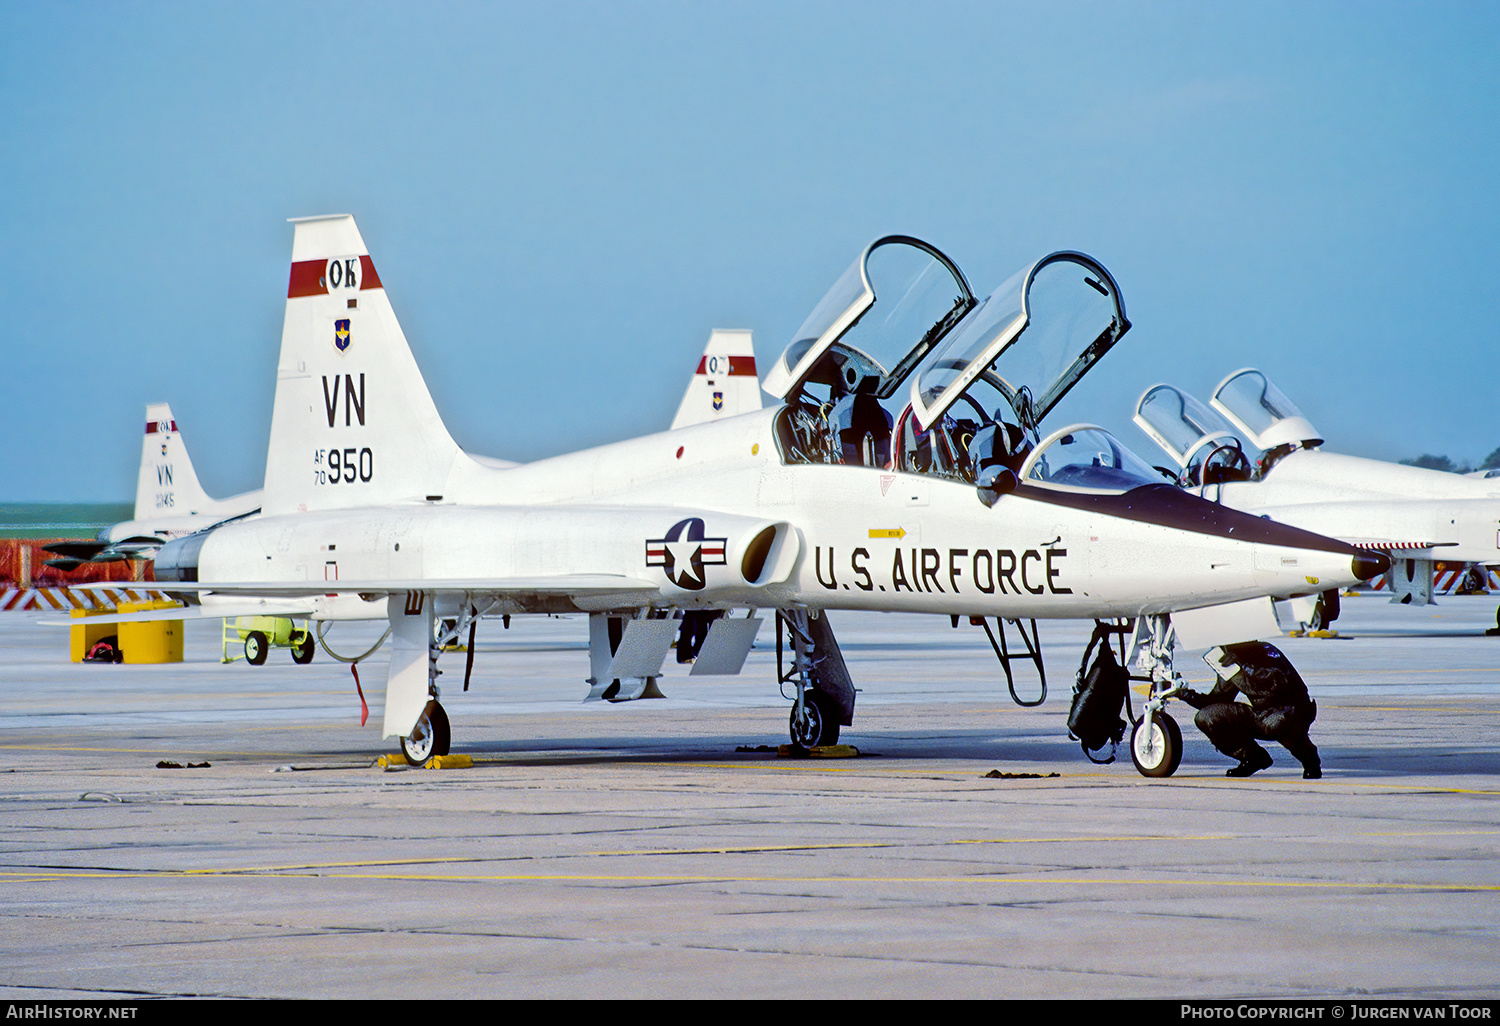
x: 586, y: 590
x: 580, y: 585
x: 181, y: 613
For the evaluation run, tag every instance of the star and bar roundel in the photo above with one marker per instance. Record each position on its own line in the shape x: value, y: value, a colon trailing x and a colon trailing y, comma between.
x: 684, y: 552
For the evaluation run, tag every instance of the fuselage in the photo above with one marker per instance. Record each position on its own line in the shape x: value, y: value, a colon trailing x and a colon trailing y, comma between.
x: 713, y: 517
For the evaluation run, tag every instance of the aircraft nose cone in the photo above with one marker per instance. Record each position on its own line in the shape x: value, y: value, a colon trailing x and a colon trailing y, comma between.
x: 1370, y: 564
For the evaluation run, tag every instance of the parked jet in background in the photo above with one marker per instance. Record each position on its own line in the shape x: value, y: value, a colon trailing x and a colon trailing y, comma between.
x: 1254, y: 450
x: 725, y: 383
x: 169, y: 502
x: 904, y: 469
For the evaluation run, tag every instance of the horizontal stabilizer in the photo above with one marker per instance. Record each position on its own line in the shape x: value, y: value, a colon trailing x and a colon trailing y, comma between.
x: 79, y: 550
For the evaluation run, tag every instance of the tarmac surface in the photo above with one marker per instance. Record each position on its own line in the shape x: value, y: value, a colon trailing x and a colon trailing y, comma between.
x: 633, y: 851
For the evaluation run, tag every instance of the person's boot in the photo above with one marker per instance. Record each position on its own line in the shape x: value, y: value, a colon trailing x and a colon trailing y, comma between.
x: 1251, y: 761
x: 1307, y: 754
x: 1312, y: 766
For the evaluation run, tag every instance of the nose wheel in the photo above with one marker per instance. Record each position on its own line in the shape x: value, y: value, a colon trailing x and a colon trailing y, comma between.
x: 1156, y: 745
x: 429, y: 737
x: 813, y: 722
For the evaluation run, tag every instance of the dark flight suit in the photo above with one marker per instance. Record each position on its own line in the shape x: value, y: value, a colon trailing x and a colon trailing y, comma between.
x: 694, y: 632
x: 1280, y: 710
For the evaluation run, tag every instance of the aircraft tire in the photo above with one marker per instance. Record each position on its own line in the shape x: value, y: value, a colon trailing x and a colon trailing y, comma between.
x: 302, y: 652
x: 1325, y: 611
x: 818, y: 726
x: 257, y: 646
x: 1157, y: 752
x: 430, y: 737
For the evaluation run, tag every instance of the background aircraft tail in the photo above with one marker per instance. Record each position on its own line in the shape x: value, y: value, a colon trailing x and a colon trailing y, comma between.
x: 353, y: 422
x: 167, y: 484
x: 725, y: 383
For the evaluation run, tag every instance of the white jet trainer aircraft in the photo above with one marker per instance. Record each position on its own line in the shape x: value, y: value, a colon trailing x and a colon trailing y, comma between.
x: 169, y: 502
x: 902, y: 470
x: 1412, y: 514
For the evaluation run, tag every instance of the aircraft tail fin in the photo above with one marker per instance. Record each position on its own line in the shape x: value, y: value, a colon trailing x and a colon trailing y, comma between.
x: 725, y: 383
x: 167, y: 484
x: 353, y: 422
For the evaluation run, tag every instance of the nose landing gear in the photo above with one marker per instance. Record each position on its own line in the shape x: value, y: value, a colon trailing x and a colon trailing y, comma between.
x: 1156, y: 744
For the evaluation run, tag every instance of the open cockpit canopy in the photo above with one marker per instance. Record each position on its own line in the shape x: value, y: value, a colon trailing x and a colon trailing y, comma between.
x: 897, y: 300
x: 981, y: 375
x: 1259, y: 409
x: 1030, y: 341
x: 1185, y: 428
x: 1085, y: 457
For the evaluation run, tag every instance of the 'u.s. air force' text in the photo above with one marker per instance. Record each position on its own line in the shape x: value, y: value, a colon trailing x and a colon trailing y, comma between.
x: 945, y: 571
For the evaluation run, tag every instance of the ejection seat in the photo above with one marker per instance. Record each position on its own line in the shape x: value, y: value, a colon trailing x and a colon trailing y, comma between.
x: 864, y: 430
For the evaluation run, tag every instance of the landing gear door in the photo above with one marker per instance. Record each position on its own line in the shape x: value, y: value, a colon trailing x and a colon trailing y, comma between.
x: 408, y: 682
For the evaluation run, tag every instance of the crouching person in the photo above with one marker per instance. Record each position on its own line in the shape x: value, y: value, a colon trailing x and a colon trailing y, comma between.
x: 1279, y: 709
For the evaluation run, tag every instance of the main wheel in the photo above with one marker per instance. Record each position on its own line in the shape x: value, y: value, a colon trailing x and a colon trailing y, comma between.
x: 429, y: 737
x: 818, y: 724
x: 1156, y: 750
x: 257, y: 645
x: 1325, y: 611
x: 302, y: 652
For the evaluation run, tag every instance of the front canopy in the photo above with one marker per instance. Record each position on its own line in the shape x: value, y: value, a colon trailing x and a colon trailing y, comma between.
x: 1085, y: 457
x: 1183, y: 427
x: 897, y: 300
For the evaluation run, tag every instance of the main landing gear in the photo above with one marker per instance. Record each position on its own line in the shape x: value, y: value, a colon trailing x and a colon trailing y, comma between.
x: 824, y: 698
x: 430, y: 737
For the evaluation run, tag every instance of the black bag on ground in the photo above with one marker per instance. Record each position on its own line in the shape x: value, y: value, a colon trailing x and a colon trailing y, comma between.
x: 1098, y: 696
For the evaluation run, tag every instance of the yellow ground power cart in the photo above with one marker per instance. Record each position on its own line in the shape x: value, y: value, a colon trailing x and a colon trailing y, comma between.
x: 257, y: 635
x: 155, y: 641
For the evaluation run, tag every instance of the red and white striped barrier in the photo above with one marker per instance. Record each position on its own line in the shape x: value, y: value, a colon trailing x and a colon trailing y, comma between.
x: 1444, y: 579
x: 1448, y: 576
x: 64, y: 599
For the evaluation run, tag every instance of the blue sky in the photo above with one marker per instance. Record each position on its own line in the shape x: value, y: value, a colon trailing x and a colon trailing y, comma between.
x: 563, y: 199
